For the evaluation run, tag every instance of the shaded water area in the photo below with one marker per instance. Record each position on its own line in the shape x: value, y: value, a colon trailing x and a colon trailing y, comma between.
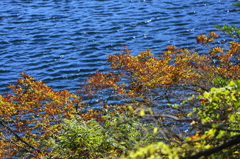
x: 61, y: 42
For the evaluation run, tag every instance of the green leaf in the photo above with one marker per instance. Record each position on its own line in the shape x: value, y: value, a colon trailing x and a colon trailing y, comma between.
x: 237, y: 103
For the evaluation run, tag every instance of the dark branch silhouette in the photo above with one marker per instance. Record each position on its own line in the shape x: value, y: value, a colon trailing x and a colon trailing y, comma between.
x: 213, y: 150
x: 18, y: 137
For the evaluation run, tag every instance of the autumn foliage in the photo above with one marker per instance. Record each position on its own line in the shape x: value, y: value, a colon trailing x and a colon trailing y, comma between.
x: 159, y: 91
x: 28, y: 113
x: 167, y: 78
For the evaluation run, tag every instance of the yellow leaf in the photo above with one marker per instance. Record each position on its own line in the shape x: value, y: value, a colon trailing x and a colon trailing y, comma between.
x: 142, y: 112
x: 155, y: 130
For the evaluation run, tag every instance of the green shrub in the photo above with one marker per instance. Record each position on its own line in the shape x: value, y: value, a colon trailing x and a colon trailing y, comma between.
x: 91, y: 139
x: 217, y: 124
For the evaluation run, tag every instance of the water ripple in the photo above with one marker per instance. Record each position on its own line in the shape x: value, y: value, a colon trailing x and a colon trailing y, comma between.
x: 61, y: 42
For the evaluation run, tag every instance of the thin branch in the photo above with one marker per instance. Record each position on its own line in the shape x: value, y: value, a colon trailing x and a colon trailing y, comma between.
x: 18, y: 137
x: 213, y: 150
x: 181, y: 111
x: 171, y: 116
x: 200, y: 125
x: 217, y: 128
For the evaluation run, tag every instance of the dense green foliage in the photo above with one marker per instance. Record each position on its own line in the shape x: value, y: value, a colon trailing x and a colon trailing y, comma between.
x: 92, y: 139
x: 217, y: 123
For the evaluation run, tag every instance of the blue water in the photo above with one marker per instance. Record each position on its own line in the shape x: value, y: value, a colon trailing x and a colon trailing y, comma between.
x: 63, y: 41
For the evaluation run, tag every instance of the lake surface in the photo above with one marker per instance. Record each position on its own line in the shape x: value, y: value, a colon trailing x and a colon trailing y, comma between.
x: 61, y: 42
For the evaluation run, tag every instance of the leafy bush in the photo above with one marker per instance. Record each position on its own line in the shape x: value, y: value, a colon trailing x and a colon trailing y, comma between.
x: 79, y: 140
x: 91, y: 139
x: 217, y: 123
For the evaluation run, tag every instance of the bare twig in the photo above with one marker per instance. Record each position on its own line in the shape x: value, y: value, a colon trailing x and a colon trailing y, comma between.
x: 170, y: 116
x: 198, y: 125
x: 18, y: 137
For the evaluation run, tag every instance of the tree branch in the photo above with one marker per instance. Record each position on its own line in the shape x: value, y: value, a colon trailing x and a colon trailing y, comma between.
x: 201, y: 125
x: 213, y: 150
x: 18, y: 137
x: 171, y: 116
